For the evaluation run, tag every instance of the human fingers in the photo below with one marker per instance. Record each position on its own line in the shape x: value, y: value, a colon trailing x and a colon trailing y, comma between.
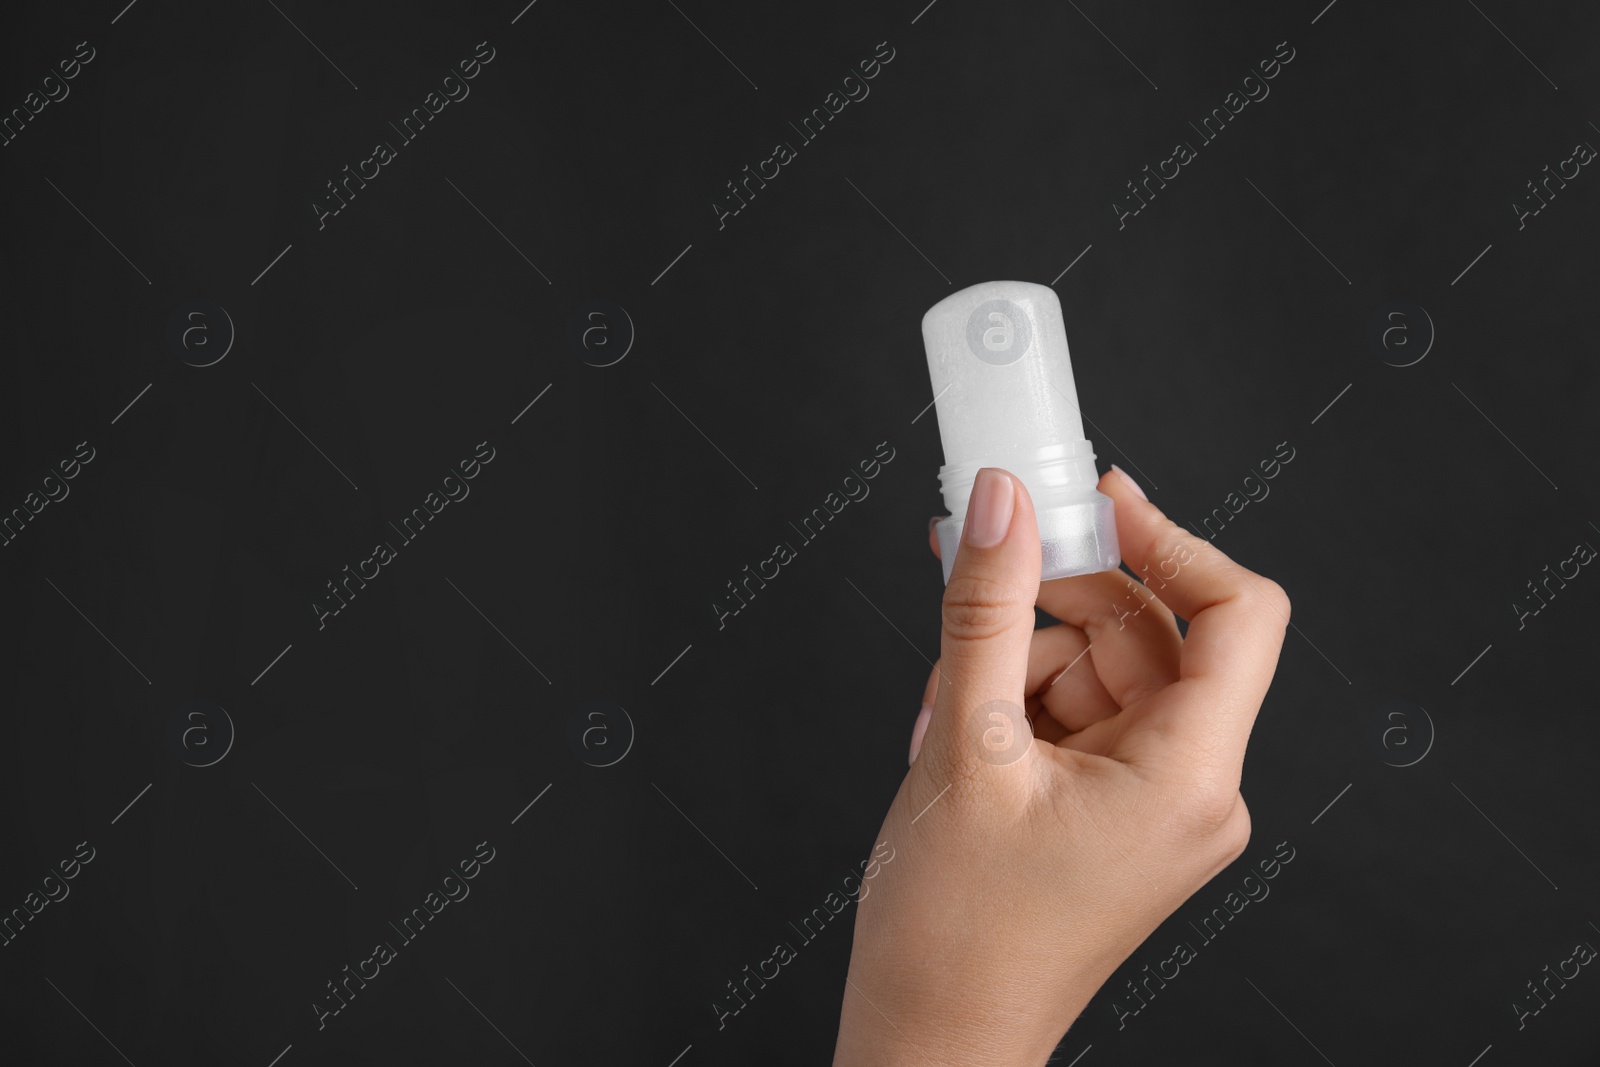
x: 1137, y: 634
x: 1236, y: 625
x: 1133, y: 637
x: 1061, y: 682
x: 986, y: 633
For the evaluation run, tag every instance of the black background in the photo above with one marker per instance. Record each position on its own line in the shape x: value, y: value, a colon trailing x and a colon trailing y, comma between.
x: 1220, y: 321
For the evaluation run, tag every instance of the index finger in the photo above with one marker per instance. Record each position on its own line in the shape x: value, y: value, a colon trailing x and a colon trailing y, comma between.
x: 1236, y: 617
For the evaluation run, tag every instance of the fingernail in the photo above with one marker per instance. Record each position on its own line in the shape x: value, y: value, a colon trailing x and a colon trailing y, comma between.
x: 994, y: 498
x: 1131, y: 483
x: 920, y: 728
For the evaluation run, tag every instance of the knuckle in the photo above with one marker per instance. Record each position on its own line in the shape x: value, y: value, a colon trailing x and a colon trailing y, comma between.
x: 976, y: 607
x: 958, y: 768
x: 1276, y: 598
x: 1234, y: 834
x: 1209, y: 812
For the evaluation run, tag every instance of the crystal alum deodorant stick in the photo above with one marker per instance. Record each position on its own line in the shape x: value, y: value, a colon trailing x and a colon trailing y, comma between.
x: 1003, y: 389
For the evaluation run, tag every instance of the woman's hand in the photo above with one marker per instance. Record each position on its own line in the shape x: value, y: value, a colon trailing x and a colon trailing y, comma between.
x: 1027, y: 864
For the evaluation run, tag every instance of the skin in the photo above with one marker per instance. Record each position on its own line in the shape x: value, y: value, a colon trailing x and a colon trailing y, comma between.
x: 1027, y: 869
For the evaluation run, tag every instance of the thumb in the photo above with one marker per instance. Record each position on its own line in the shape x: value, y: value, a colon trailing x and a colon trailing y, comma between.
x: 978, y: 714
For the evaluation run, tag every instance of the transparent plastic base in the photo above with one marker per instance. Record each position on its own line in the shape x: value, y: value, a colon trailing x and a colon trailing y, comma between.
x: 1075, y: 538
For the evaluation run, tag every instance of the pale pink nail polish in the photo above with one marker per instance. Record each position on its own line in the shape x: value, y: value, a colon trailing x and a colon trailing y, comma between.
x: 994, y: 498
x: 1003, y: 389
x: 917, y: 730
x: 1131, y: 483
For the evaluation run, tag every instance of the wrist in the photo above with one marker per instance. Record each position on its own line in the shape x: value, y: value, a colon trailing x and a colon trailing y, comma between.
x: 870, y: 1038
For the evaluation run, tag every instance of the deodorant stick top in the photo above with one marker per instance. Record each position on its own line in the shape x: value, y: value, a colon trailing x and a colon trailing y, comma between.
x: 1005, y: 396
x: 999, y: 364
